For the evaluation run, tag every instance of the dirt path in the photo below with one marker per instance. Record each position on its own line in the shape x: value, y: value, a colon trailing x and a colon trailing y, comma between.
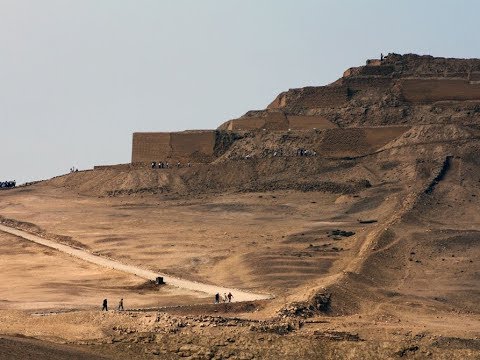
x: 239, y: 295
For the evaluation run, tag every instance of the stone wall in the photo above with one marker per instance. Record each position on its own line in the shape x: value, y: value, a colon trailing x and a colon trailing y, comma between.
x: 426, y: 91
x: 178, y: 146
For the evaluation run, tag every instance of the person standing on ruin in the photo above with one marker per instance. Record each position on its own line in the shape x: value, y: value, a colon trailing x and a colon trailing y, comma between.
x: 105, y: 305
x: 230, y: 296
x: 120, y: 305
x: 217, y: 298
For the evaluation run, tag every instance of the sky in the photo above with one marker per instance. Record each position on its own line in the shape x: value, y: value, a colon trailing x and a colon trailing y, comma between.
x: 78, y: 77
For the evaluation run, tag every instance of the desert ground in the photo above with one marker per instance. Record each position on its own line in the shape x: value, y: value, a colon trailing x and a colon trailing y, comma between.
x: 281, y: 243
x: 367, y: 248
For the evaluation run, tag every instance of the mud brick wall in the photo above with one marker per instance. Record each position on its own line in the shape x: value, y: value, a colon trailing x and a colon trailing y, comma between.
x: 250, y: 123
x: 181, y: 146
x: 299, y: 122
x: 380, y: 70
x: 429, y: 90
x: 368, y: 83
x: 258, y: 120
x: 460, y: 75
x: 475, y: 76
x: 184, y: 144
x: 311, y: 97
x: 276, y: 121
x: 326, y: 97
x: 358, y: 141
x: 147, y: 147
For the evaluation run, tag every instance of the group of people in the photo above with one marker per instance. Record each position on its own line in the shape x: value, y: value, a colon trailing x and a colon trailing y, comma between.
x: 7, y: 184
x: 73, y: 169
x: 105, y: 305
x: 304, y: 152
x: 225, y: 298
x: 218, y: 298
x: 273, y: 152
x: 280, y: 153
x: 166, y: 165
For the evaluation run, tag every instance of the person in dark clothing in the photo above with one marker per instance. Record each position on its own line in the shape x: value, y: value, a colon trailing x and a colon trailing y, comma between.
x: 120, y: 305
x: 105, y: 305
x: 217, y: 298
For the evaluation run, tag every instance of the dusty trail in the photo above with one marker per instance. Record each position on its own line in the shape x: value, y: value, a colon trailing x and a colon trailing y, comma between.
x: 239, y: 295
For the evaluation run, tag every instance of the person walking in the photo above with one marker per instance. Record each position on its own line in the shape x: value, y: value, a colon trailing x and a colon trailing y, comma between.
x: 225, y: 298
x: 105, y: 305
x: 120, y: 305
x: 230, y: 296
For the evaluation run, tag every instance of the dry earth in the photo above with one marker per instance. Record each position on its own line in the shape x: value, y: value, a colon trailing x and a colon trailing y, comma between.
x: 405, y: 296
x: 371, y: 248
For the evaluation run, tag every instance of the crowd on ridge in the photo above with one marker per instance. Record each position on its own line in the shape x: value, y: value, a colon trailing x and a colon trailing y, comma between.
x: 7, y: 184
x: 281, y: 153
x: 166, y: 165
x: 266, y: 153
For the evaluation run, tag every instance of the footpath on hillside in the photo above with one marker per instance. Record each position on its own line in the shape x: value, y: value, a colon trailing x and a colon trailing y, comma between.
x: 239, y: 295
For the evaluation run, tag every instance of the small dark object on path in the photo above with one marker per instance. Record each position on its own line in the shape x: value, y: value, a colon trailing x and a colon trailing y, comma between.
x: 341, y: 233
x: 367, y: 221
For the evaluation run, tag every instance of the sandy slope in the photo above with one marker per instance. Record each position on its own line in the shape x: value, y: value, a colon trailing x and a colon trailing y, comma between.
x: 410, y: 276
x: 135, y: 270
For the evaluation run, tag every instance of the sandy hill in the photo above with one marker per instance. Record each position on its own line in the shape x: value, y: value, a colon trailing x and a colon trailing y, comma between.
x: 370, y: 220
x: 413, y: 158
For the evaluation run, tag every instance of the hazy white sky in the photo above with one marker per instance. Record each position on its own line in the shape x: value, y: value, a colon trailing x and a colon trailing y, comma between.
x: 78, y: 77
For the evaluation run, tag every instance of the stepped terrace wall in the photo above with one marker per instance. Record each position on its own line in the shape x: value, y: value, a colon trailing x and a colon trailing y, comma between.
x: 277, y: 121
x: 426, y: 91
x: 301, y: 122
x: 180, y: 146
x: 357, y: 141
x: 311, y: 97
